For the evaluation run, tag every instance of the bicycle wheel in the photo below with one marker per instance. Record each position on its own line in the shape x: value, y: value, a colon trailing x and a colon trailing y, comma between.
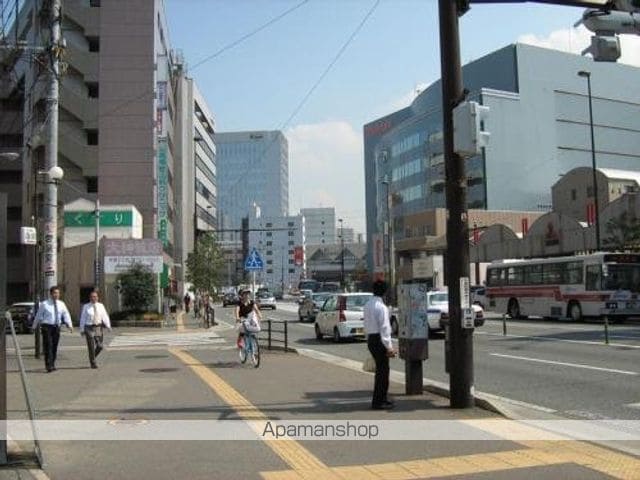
x: 255, y: 351
x: 242, y: 352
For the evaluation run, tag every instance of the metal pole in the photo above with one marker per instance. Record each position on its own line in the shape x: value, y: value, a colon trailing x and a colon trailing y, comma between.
x: 50, y: 259
x: 341, y: 255
x: 461, y: 368
x: 286, y: 336
x: 96, y: 265
x: 504, y: 325
x: 606, y: 329
x: 593, y: 164
x: 3, y: 389
x: 269, y: 334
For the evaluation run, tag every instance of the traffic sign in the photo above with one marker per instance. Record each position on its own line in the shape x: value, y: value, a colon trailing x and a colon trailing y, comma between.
x: 253, y: 261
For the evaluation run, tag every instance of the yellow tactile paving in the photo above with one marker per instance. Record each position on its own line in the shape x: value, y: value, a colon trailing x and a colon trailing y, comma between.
x: 306, y: 466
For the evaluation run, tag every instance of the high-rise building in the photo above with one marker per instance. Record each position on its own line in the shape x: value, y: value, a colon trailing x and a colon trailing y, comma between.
x: 348, y: 234
x: 118, y: 133
x: 320, y: 225
x: 281, y: 243
x: 253, y: 169
x: 195, y: 176
x: 539, y: 124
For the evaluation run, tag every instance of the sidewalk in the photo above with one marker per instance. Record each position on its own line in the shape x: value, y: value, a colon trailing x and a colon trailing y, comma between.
x: 134, y: 387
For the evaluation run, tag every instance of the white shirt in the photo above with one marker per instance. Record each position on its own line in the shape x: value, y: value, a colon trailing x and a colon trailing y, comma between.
x: 376, y: 320
x: 94, y: 314
x: 46, y: 314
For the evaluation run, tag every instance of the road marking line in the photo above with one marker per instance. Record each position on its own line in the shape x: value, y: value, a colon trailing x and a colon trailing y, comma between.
x: 556, y: 339
x: 633, y: 405
x: 180, y: 322
x: 290, y: 451
x: 566, y: 364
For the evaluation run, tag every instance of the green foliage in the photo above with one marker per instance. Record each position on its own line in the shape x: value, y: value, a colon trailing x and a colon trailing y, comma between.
x: 205, y: 264
x: 623, y: 233
x: 137, y: 287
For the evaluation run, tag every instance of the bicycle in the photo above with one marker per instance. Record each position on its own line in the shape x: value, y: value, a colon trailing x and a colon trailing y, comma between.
x: 250, y: 347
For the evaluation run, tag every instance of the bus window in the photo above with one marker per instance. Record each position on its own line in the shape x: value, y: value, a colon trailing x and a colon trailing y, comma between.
x: 573, y: 273
x: 515, y: 276
x: 493, y: 277
x: 594, y: 277
x: 533, y: 274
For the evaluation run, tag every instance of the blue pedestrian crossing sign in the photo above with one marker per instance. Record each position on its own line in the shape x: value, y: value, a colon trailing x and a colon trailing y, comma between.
x: 253, y: 261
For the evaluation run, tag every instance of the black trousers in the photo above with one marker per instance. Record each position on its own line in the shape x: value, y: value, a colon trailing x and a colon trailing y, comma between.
x: 50, y: 339
x: 381, y: 384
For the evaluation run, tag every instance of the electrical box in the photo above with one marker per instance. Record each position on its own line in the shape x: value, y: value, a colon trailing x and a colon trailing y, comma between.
x: 469, y: 136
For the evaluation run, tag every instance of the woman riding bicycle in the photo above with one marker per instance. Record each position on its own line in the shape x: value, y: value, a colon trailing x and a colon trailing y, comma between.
x: 243, y: 310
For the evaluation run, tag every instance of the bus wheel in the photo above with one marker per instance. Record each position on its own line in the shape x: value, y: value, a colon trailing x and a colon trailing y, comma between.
x: 513, y: 309
x: 574, y: 312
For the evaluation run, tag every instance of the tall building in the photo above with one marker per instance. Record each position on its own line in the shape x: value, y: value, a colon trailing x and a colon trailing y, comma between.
x: 348, y: 235
x: 253, y: 169
x: 118, y: 132
x: 320, y: 225
x: 539, y: 124
x: 195, y: 177
x: 281, y: 243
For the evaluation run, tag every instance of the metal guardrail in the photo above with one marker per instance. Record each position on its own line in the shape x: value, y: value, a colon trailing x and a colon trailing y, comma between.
x: 274, y: 335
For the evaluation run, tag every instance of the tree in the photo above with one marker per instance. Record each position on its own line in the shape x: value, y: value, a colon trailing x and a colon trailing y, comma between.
x: 137, y: 287
x: 623, y: 233
x: 205, y: 264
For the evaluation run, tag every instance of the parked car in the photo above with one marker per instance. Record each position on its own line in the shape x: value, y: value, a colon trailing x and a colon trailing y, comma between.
x: 304, y: 293
x: 438, y: 311
x: 22, y: 316
x: 230, y: 298
x: 478, y: 295
x: 266, y: 300
x: 341, y: 316
x: 311, y: 305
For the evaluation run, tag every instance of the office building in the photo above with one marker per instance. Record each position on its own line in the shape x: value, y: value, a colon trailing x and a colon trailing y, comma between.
x: 540, y: 129
x: 320, y: 225
x: 253, y: 169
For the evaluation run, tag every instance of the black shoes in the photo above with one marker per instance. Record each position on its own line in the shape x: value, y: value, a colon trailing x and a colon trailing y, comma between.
x: 93, y: 365
x: 382, y: 406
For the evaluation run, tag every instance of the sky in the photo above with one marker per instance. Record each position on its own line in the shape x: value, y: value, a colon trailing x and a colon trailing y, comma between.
x: 260, y: 83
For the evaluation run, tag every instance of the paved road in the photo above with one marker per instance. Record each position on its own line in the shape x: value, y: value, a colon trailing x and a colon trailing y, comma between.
x: 564, y: 368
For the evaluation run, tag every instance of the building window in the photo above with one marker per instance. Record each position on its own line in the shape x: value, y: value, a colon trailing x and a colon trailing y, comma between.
x: 269, y: 262
x: 292, y: 270
x: 290, y: 242
x: 93, y: 90
x: 290, y: 233
x: 290, y: 224
x: 92, y: 184
x: 269, y: 252
x: 291, y: 261
x: 269, y: 225
x: 94, y: 3
x: 322, y: 223
x: 14, y: 213
x: 291, y: 252
x: 573, y: 194
x: 269, y: 270
x: 269, y: 243
x: 94, y: 44
x: 269, y: 234
x: 92, y: 137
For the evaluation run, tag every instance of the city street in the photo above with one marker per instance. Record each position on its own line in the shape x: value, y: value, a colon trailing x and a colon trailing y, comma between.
x: 563, y: 368
x: 184, y: 373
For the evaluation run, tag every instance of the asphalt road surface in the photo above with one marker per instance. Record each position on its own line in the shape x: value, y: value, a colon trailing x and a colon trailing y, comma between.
x: 562, y: 368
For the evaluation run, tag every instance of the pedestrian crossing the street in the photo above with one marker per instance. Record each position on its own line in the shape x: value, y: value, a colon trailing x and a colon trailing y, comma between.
x: 176, y: 339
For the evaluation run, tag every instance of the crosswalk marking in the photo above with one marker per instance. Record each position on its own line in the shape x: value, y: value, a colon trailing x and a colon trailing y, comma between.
x: 179, y: 339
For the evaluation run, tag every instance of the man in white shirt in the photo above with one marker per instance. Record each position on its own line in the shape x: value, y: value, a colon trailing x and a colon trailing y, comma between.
x: 51, y: 314
x: 93, y: 317
x: 378, y: 330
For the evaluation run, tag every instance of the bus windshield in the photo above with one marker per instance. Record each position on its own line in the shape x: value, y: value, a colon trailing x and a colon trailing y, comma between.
x: 621, y: 277
x: 308, y: 285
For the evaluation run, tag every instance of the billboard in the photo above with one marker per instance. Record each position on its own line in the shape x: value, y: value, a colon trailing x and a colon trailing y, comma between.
x: 163, y: 191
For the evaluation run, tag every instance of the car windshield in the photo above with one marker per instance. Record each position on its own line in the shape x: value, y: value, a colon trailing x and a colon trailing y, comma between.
x: 264, y: 295
x: 439, y: 298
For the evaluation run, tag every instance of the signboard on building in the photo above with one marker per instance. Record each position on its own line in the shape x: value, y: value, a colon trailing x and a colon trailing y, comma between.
x: 163, y: 191
x: 422, y: 268
x: 28, y: 236
x: 378, y: 252
x: 108, y: 218
x: 298, y: 256
x: 120, y: 255
x: 162, y: 95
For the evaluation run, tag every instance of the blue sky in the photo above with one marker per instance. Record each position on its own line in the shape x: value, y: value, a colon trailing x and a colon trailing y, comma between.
x: 259, y: 83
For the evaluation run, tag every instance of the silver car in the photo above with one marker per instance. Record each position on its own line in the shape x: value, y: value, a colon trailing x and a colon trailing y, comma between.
x: 266, y: 300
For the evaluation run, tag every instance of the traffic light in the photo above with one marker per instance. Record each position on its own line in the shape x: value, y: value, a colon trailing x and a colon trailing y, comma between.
x: 469, y: 135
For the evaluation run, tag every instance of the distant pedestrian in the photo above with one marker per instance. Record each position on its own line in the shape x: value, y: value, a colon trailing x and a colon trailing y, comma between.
x: 187, y: 302
x: 209, y: 317
x: 93, y: 319
x: 378, y: 329
x: 52, y: 313
x: 197, y: 305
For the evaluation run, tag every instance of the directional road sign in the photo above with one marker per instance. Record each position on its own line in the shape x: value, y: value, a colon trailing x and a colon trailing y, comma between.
x: 253, y: 261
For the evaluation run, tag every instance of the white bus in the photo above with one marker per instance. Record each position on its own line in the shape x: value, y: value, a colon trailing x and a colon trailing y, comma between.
x: 566, y: 287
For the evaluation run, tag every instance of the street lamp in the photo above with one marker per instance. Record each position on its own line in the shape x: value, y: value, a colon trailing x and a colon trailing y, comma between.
x: 341, y: 255
x: 587, y: 75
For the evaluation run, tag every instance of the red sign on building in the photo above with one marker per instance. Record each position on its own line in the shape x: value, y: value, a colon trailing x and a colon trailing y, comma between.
x: 298, y: 256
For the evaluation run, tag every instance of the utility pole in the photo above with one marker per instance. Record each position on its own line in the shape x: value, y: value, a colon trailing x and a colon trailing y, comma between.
x: 50, y: 258
x: 461, y: 353
x: 341, y: 255
x: 96, y: 265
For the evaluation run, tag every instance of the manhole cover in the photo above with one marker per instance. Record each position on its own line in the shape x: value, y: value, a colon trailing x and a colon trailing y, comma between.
x: 151, y: 356
x: 158, y: 370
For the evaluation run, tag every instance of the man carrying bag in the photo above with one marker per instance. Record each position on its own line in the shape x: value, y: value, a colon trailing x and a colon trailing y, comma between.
x: 93, y: 318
